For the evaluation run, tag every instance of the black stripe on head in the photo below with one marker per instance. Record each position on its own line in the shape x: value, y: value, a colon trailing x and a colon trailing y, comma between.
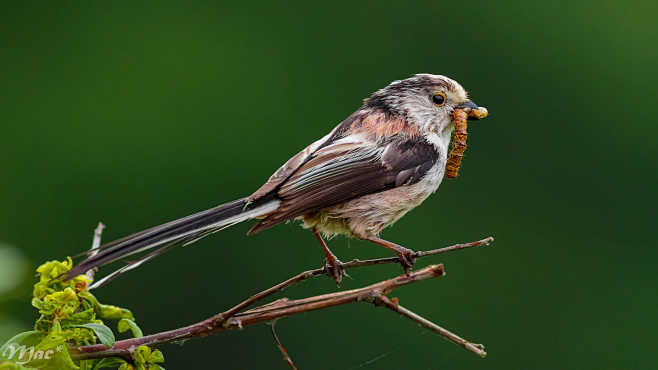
x: 380, y: 99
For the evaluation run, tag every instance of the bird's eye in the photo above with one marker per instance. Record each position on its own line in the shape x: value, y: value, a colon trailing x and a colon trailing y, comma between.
x: 439, y: 98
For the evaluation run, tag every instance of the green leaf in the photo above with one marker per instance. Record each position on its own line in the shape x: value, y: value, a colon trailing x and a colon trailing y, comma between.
x: 61, y: 360
x: 18, y: 346
x: 53, y: 340
x: 79, y: 318
x: 55, y: 353
x: 146, y: 357
x: 52, y: 270
x: 103, y: 333
x: 87, y: 364
x: 142, y: 354
x: 156, y: 356
x: 36, y: 350
x: 108, y: 311
x: 110, y: 362
x: 13, y: 366
x: 90, y: 298
x: 125, y: 324
x: 126, y: 366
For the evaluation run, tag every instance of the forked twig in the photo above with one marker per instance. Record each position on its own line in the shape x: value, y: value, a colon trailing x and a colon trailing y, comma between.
x: 237, y: 317
x: 346, y: 265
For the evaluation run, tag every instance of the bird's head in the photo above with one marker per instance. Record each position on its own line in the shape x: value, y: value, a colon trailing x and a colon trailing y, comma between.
x: 424, y: 100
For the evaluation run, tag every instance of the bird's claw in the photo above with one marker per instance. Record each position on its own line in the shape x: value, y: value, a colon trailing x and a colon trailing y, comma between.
x: 407, y: 259
x: 334, y: 268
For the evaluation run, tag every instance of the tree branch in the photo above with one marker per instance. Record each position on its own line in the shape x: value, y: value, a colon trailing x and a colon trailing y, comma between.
x: 237, y: 317
x: 393, y: 305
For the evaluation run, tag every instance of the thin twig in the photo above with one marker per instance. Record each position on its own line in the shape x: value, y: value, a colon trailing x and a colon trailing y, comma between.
x: 395, y: 307
x: 286, y: 357
x: 480, y: 243
x: 275, y: 310
x: 236, y: 317
x: 346, y: 265
x: 95, y: 244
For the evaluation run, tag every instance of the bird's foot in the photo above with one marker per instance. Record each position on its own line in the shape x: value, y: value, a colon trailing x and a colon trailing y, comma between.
x: 407, y: 258
x: 334, y: 268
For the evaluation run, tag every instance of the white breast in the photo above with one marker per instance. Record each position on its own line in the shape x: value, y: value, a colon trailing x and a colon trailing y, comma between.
x: 431, y: 181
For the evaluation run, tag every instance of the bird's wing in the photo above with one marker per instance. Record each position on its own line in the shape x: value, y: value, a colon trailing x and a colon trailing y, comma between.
x: 347, y: 168
x: 288, y: 168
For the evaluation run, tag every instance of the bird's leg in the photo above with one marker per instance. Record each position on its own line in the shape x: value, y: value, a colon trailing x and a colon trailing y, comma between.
x: 333, y: 266
x: 407, y: 256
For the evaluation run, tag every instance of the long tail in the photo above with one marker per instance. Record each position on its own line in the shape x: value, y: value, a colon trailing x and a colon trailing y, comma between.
x: 176, y: 233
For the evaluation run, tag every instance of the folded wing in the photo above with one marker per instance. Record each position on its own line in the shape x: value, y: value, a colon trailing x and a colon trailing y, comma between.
x: 348, y: 168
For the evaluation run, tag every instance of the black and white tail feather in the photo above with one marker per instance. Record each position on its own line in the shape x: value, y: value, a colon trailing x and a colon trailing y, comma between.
x: 162, y: 238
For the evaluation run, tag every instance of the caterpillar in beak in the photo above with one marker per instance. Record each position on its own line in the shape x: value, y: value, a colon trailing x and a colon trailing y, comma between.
x: 459, y: 120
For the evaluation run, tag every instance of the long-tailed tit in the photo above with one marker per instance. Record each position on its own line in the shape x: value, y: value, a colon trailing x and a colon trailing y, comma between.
x: 370, y: 170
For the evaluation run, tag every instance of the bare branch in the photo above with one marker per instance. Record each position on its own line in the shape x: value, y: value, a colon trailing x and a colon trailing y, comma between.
x: 275, y: 310
x: 237, y: 317
x: 393, y: 305
x: 286, y: 357
x: 347, y: 265
x: 95, y: 244
x: 480, y: 243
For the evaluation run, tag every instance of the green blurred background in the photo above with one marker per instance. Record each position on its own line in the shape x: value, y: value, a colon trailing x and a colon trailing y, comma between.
x: 137, y: 114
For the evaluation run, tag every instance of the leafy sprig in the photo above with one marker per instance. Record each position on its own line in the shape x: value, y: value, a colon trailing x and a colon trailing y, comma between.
x: 70, y: 315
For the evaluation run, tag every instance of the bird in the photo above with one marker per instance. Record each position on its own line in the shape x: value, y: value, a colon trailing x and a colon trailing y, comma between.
x: 379, y: 163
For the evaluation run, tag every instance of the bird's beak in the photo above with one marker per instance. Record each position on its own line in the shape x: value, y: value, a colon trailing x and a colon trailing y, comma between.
x: 474, y: 112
